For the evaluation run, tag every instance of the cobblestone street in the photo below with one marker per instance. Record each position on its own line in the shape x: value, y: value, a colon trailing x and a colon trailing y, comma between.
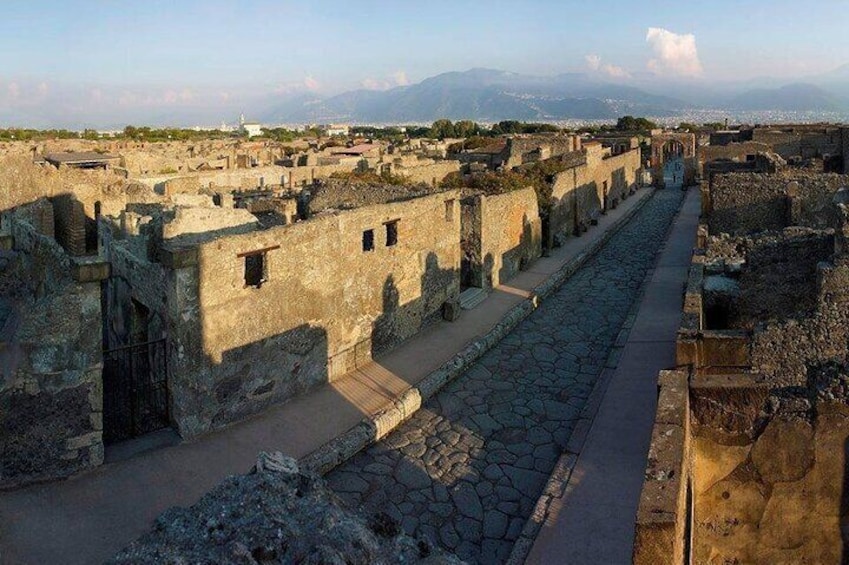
x: 468, y: 467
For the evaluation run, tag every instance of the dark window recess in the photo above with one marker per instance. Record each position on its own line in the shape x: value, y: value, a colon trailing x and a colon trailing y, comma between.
x: 391, y: 233
x: 255, y: 270
x: 368, y: 240
x: 449, y: 210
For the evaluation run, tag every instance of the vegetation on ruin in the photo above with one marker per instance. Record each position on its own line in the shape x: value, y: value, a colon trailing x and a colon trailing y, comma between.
x: 145, y: 133
x: 539, y: 175
x: 372, y: 177
x: 470, y: 143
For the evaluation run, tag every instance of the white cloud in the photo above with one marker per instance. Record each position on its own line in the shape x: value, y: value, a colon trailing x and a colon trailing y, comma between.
x: 373, y: 84
x: 594, y: 63
x: 673, y: 53
x: 13, y: 90
x: 400, y: 78
x: 614, y: 71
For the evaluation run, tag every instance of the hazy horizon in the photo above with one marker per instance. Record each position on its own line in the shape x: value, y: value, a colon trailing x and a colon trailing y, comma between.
x: 102, y: 64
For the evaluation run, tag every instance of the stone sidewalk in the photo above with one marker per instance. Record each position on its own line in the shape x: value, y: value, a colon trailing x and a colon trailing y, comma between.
x: 591, y: 518
x: 89, y: 518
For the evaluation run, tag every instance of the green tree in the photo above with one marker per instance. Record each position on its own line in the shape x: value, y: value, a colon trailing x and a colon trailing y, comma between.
x: 630, y: 123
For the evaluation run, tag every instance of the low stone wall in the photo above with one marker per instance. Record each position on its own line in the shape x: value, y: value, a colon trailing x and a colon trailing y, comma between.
x: 660, y: 536
x: 432, y: 174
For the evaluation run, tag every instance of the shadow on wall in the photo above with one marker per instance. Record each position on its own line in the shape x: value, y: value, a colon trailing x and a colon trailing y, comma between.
x: 208, y: 393
x: 574, y: 213
x: 397, y: 322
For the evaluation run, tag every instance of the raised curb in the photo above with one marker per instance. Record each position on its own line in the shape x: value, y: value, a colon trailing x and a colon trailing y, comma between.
x: 558, y: 482
x: 373, y: 428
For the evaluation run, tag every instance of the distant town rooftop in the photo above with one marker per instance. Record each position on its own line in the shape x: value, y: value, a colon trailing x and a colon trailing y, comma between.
x: 81, y: 159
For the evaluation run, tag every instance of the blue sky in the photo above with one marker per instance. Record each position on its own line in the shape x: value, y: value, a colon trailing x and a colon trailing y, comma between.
x: 153, y: 53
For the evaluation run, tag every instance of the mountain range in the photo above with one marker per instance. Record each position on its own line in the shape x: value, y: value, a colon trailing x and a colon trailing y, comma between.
x: 490, y: 95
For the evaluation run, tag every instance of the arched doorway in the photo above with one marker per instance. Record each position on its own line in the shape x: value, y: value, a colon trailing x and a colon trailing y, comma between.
x: 672, y: 159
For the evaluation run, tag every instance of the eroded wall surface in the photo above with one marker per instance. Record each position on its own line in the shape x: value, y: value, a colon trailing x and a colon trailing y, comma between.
x: 777, y: 497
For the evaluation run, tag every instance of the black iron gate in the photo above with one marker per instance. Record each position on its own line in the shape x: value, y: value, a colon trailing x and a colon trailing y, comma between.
x: 135, y: 390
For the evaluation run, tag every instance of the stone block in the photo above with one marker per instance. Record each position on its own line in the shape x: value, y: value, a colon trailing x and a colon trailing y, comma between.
x: 178, y: 257
x: 89, y: 271
x: 451, y: 310
x: 84, y: 440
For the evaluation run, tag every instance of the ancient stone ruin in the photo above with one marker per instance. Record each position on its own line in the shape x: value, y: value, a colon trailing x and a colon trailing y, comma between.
x: 747, y: 462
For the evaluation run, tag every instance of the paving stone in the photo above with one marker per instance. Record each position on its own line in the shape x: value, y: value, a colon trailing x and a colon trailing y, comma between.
x: 503, y: 424
x: 466, y: 501
x: 495, y: 524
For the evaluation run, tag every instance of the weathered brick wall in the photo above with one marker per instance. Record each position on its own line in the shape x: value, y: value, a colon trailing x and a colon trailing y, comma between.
x: 50, y: 364
x: 69, y: 224
x: 783, y: 351
x: 326, y: 307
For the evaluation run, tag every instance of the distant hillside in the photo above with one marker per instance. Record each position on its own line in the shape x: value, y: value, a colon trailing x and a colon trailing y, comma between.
x: 480, y: 94
x: 791, y: 98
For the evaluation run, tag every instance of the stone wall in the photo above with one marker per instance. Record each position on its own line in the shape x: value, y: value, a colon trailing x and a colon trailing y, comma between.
x: 778, y: 280
x: 50, y: 365
x: 660, y: 536
x: 504, y: 235
x: 784, y: 350
x: 732, y: 152
x: 432, y: 174
x: 338, y: 194
x: 530, y: 148
x: 579, y: 193
x: 746, y: 202
x: 801, y: 141
x: 769, y: 471
x: 244, y: 179
x: 331, y: 298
